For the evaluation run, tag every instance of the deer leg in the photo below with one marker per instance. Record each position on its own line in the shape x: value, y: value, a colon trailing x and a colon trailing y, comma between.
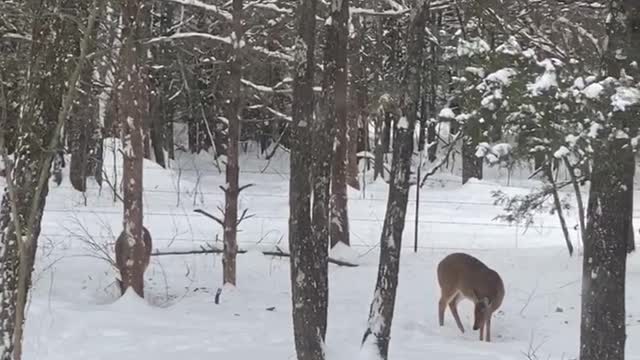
x: 442, y: 304
x: 454, y: 311
x: 482, y: 332
x: 488, y: 329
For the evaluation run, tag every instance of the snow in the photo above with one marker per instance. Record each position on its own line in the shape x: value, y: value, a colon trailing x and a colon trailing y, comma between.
x: 625, y: 97
x: 502, y: 76
x: 472, y: 47
x: 75, y: 312
x: 546, y: 81
x: 593, y: 91
x: 447, y: 113
x: 561, y: 153
x: 403, y: 123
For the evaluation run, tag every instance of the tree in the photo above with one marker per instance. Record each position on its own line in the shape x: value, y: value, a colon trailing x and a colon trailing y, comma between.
x: 48, y: 96
x: 382, y: 306
x: 309, y: 287
x: 602, y: 328
x: 232, y: 190
x: 336, y: 107
x: 132, y: 103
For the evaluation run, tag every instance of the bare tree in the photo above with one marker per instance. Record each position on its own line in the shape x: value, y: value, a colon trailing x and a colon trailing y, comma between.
x: 131, y: 105
x: 309, y: 287
x: 382, y: 306
x: 335, y: 103
x: 49, y: 94
x: 233, y: 114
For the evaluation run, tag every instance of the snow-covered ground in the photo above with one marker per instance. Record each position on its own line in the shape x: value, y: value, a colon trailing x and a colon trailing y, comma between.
x: 75, y: 313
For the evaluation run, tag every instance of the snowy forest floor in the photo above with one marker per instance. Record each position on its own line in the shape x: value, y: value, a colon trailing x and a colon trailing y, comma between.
x: 74, y: 312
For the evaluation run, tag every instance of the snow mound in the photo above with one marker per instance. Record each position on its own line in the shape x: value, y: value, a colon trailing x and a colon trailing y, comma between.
x: 344, y: 252
x: 130, y: 302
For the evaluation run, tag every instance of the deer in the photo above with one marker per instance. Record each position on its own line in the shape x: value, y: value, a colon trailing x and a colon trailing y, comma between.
x: 464, y: 276
x: 132, y: 270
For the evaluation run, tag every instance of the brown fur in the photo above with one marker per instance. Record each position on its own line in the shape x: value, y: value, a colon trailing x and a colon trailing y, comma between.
x: 135, y: 278
x: 463, y: 276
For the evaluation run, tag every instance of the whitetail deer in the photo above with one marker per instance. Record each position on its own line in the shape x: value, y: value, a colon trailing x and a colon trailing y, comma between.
x: 463, y: 276
x: 132, y: 270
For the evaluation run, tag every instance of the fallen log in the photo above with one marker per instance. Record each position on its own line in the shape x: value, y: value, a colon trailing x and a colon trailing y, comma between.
x: 266, y: 253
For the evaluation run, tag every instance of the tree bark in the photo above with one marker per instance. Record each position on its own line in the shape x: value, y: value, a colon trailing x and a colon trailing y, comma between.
x: 602, y: 329
x: 382, y: 307
x: 232, y: 188
x: 335, y: 103
x: 609, y: 215
x: 309, y: 287
x: 471, y: 164
x: 132, y: 106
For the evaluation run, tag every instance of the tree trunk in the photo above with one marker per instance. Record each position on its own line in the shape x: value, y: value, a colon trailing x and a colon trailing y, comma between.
x: 132, y: 106
x: 335, y: 103
x: 44, y: 112
x: 382, y: 307
x: 309, y: 288
x: 558, y: 206
x: 602, y: 330
x: 232, y: 187
x: 81, y: 129
x: 471, y: 164
x: 359, y: 117
x: 609, y: 214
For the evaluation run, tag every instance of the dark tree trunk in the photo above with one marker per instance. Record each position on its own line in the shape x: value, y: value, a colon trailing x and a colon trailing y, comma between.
x: 359, y: 117
x: 132, y: 105
x: 309, y: 290
x: 382, y: 307
x: 232, y: 188
x: 610, y: 209
x: 602, y: 330
x: 471, y: 164
x: 336, y: 107
x: 82, y: 125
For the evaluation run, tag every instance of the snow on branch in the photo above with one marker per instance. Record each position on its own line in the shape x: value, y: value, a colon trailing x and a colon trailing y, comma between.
x: 204, y: 6
x: 188, y: 35
x: 269, y: 6
x: 16, y: 36
x: 263, y: 88
x: 273, y: 54
x: 372, y: 12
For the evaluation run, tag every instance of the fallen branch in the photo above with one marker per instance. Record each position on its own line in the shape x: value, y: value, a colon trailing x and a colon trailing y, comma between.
x: 219, y: 251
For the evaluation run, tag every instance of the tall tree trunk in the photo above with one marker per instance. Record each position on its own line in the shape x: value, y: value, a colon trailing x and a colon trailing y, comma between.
x: 335, y: 96
x: 382, y: 307
x: 132, y: 106
x: 82, y: 123
x: 232, y: 187
x: 609, y: 214
x: 308, y: 259
x: 359, y: 117
x: 602, y: 330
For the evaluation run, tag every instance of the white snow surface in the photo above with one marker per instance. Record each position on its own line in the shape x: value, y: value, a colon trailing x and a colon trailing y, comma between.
x: 75, y: 312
